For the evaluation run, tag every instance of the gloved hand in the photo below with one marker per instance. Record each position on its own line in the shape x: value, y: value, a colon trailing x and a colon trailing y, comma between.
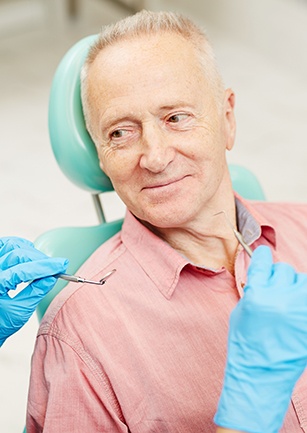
x: 20, y: 262
x: 267, y: 347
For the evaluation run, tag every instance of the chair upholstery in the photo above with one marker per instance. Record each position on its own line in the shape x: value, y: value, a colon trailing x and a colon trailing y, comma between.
x: 71, y: 144
x: 245, y: 183
x: 75, y: 243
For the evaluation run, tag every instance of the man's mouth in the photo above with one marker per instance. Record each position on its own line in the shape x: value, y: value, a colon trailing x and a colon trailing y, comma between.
x: 163, y: 184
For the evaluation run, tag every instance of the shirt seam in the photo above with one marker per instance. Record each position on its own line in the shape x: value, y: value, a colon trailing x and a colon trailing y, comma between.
x: 87, y: 360
x: 44, y: 327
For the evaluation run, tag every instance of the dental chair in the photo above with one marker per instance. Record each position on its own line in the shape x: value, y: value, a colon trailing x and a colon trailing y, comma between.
x: 76, y: 155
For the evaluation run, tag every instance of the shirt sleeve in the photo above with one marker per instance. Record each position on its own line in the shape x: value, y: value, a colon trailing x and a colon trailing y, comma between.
x: 65, y: 395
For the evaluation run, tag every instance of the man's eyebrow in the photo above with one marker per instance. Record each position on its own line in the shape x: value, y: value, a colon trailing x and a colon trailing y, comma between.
x: 111, y: 121
x: 177, y: 104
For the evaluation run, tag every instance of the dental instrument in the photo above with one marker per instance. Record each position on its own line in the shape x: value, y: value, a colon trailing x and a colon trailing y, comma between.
x: 77, y: 279
x: 237, y: 234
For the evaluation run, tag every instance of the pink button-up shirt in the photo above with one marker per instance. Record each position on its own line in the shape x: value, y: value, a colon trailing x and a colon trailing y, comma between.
x: 146, y: 352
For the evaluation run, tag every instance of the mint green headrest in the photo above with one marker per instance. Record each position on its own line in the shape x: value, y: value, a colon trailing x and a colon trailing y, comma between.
x: 73, y: 148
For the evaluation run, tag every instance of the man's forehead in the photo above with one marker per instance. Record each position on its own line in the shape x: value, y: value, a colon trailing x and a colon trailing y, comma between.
x: 166, y: 45
x: 160, y: 75
x: 147, y: 65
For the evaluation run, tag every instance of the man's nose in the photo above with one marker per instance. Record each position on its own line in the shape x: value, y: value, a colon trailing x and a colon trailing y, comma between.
x: 157, y: 151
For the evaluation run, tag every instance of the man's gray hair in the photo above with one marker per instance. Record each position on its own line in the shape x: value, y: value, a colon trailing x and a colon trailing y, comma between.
x: 148, y: 23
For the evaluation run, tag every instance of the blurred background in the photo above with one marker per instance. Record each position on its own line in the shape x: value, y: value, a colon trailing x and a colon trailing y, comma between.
x: 261, y: 48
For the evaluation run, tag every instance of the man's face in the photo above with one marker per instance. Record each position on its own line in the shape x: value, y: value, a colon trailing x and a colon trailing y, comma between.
x: 162, y: 138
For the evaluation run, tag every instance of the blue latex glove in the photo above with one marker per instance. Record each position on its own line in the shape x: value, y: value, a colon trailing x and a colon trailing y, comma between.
x: 267, y: 347
x: 21, y: 262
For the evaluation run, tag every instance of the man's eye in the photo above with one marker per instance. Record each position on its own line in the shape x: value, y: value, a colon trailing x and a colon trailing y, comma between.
x: 175, y: 118
x: 123, y: 135
x: 118, y: 133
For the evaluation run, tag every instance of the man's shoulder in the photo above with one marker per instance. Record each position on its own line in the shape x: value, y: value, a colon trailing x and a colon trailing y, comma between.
x: 66, y: 302
x: 289, y: 221
x: 300, y: 206
x: 292, y: 212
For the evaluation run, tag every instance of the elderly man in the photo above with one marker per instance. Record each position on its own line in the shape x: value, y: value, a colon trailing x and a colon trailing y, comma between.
x: 146, y: 353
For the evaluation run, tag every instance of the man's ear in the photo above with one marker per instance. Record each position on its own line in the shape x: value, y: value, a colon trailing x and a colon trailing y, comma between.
x: 229, y: 116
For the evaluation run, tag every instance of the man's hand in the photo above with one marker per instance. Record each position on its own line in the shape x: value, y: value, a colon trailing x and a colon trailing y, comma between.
x: 267, y: 347
x: 21, y: 262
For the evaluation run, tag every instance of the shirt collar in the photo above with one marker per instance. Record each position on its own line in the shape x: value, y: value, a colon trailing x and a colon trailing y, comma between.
x: 158, y: 259
x: 163, y: 264
x: 251, y: 224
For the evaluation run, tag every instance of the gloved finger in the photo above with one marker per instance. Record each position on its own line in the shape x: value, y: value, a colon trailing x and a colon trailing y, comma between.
x: 260, y: 268
x: 11, y: 317
x: 295, y: 296
x: 20, y: 255
x: 283, y: 275
x: 15, y: 312
x: 9, y: 243
x: 301, y: 280
x: 29, y: 271
x: 31, y: 295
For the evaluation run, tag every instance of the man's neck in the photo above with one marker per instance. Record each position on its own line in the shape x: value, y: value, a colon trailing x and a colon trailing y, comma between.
x: 207, y: 242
